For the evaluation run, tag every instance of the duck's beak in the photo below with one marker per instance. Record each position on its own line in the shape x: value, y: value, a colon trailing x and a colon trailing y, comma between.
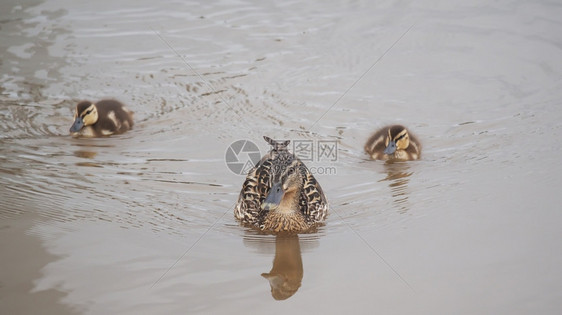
x: 391, y: 148
x: 273, y: 198
x: 77, y: 125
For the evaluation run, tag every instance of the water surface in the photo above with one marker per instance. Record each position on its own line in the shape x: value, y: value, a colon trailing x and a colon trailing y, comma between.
x: 143, y: 222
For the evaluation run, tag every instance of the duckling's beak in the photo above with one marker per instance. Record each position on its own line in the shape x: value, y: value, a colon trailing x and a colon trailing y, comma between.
x: 77, y: 125
x: 273, y: 198
x: 391, y: 148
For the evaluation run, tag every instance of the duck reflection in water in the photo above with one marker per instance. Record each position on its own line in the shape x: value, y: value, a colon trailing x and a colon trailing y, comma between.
x: 88, y: 155
x: 88, y: 151
x: 286, y: 274
x: 398, y: 177
x: 85, y: 154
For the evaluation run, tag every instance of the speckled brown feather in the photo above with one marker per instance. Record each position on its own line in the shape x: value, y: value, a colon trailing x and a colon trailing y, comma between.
x: 253, y: 193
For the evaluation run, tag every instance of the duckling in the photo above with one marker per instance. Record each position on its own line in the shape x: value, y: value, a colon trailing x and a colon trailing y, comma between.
x: 280, y: 194
x: 393, y: 143
x: 99, y: 119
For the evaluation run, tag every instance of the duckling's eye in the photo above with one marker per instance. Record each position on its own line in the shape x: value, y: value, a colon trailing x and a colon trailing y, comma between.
x: 86, y: 113
x: 402, y: 136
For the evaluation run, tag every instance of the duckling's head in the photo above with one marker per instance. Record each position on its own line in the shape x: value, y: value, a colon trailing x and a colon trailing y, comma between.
x: 86, y: 114
x: 397, y: 139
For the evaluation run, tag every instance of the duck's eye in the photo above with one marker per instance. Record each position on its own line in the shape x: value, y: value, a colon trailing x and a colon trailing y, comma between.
x: 88, y: 112
x: 402, y: 136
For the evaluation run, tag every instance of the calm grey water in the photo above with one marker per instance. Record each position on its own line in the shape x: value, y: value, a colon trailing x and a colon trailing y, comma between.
x: 142, y: 222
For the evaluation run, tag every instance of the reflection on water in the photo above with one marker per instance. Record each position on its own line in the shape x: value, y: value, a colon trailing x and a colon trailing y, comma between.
x: 286, y: 274
x: 398, y: 177
x: 88, y: 153
x: 85, y: 154
x: 23, y: 258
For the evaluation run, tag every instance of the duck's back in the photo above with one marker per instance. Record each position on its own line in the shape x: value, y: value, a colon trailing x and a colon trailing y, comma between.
x: 376, y: 144
x: 114, y: 117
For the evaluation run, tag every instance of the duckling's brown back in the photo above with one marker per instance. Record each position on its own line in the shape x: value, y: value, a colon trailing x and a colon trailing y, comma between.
x: 114, y: 117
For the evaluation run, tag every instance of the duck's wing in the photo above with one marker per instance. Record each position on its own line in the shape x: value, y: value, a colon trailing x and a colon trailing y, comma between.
x: 312, y: 201
x: 414, y: 149
x: 376, y: 144
x: 253, y: 193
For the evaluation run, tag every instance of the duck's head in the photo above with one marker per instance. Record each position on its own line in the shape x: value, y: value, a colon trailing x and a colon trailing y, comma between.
x: 86, y: 114
x: 286, y: 178
x: 397, y: 139
x: 285, y: 189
